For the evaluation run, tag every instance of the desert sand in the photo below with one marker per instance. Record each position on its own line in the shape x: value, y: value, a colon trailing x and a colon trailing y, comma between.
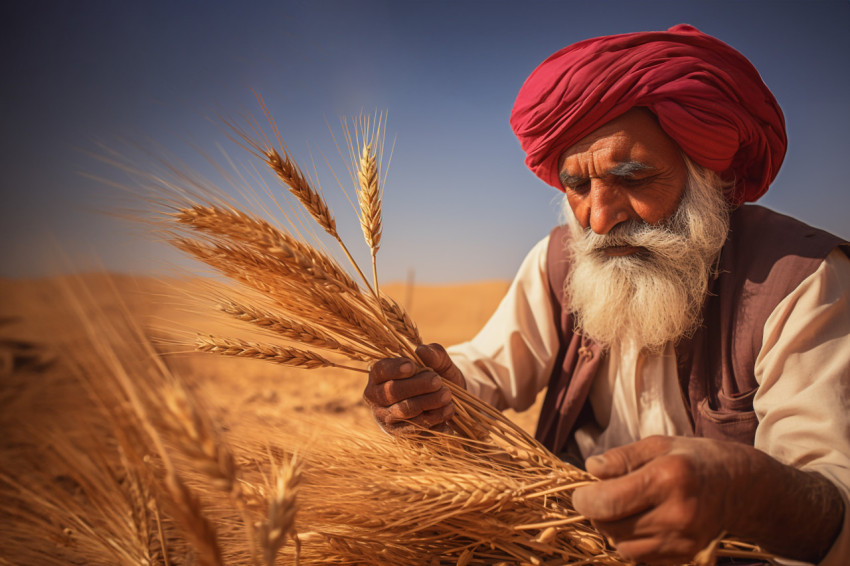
x: 34, y: 314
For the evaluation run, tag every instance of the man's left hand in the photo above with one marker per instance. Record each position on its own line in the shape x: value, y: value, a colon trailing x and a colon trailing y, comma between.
x: 663, y: 499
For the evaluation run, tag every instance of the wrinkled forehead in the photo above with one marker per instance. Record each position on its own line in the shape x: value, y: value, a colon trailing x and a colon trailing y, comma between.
x: 632, y: 138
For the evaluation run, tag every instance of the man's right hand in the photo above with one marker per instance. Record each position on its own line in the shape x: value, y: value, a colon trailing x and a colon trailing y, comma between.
x: 403, y: 395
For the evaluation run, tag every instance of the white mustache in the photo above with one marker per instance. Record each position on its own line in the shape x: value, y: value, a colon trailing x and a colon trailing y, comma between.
x: 663, y: 239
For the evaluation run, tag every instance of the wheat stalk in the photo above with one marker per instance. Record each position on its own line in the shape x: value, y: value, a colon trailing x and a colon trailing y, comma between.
x: 283, y: 355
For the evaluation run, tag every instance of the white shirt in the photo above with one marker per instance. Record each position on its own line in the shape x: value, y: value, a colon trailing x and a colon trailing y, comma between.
x: 803, y: 372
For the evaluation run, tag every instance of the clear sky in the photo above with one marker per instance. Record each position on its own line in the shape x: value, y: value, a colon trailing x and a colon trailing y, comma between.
x: 459, y: 203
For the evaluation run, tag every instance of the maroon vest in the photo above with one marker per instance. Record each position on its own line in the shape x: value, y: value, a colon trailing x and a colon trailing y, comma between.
x: 766, y: 256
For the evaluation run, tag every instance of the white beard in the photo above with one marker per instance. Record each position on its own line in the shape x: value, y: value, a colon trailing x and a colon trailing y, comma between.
x: 655, y: 296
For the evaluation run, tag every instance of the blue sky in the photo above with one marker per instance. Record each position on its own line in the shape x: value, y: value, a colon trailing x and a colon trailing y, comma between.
x: 459, y: 203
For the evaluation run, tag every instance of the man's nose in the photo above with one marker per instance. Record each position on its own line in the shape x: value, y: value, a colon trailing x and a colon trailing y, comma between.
x: 609, y: 206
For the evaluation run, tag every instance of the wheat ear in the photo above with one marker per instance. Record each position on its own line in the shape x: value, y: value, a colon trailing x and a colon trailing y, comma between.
x: 302, y: 333
x: 369, y: 199
x: 283, y: 355
x: 288, y: 172
x: 259, y: 234
x: 283, y: 507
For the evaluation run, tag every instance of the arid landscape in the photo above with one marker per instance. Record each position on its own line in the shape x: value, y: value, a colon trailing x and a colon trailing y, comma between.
x: 47, y: 410
x: 34, y: 317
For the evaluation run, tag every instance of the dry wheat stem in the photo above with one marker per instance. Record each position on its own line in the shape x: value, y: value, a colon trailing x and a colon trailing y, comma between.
x: 196, y: 439
x: 292, y: 177
x: 398, y: 317
x: 555, y: 523
x: 349, y: 326
x: 369, y: 198
x: 189, y: 426
x: 314, y: 204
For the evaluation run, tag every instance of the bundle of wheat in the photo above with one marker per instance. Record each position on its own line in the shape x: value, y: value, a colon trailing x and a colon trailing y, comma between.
x: 484, y: 492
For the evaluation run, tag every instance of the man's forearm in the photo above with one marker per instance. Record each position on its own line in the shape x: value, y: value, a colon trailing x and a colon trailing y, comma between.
x: 790, y: 512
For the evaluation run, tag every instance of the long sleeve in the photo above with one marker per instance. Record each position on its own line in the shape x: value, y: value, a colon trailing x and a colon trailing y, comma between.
x: 511, y: 358
x: 803, y: 371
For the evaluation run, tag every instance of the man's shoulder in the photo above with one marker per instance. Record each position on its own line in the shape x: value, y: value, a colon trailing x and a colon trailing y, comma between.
x: 770, y: 252
x: 754, y: 229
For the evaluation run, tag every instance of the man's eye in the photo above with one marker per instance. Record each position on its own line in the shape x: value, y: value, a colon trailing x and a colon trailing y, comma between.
x: 637, y: 181
x: 580, y: 187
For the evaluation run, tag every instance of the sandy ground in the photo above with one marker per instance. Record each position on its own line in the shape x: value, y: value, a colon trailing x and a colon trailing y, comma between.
x: 240, y: 392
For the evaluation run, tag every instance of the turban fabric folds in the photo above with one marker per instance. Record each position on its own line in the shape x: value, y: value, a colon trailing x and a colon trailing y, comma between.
x: 707, y: 97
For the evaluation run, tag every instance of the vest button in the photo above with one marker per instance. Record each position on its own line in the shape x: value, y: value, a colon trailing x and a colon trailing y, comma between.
x: 585, y: 352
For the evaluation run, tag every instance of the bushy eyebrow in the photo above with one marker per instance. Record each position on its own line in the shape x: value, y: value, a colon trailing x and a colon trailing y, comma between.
x: 628, y: 167
x: 623, y: 169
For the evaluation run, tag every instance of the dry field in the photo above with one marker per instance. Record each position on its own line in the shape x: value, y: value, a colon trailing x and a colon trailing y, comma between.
x: 44, y: 407
x: 74, y: 492
x: 239, y: 390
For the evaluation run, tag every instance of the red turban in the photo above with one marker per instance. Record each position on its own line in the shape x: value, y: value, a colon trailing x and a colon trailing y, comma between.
x: 708, y: 97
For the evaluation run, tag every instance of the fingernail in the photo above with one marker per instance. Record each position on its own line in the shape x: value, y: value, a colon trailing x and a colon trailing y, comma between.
x: 406, y: 367
x: 578, y: 499
x: 595, y: 464
x: 436, y: 382
x: 445, y: 396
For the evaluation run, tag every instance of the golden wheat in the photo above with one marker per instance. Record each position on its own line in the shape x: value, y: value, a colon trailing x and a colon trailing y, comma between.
x: 513, y: 500
x: 283, y: 355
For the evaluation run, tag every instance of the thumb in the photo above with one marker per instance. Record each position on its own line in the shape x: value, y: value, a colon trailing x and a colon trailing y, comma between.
x: 436, y: 358
x: 625, y: 459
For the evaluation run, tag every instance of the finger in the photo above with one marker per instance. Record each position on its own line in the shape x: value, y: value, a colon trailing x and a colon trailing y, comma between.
x: 438, y: 417
x: 657, y: 549
x: 624, y: 459
x: 396, y: 391
x: 614, y: 499
x: 432, y: 419
x: 409, y: 409
x: 643, y: 538
x: 436, y: 358
x: 391, y: 368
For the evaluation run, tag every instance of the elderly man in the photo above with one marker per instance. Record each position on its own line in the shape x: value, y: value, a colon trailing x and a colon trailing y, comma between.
x: 696, y: 350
